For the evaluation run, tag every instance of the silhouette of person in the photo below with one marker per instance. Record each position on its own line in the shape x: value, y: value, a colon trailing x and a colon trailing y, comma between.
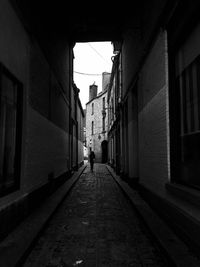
x: 92, y: 157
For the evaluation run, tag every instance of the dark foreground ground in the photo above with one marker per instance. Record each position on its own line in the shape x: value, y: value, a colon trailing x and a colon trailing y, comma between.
x: 96, y: 225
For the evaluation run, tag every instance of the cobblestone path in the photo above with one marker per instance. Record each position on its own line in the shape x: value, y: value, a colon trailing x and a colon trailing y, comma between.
x: 95, y: 226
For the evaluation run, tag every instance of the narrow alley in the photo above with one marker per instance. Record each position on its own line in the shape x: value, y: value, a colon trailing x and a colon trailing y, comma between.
x: 141, y: 205
x: 95, y: 226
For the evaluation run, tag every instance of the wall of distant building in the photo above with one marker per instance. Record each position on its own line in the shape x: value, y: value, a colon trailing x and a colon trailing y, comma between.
x: 94, y: 118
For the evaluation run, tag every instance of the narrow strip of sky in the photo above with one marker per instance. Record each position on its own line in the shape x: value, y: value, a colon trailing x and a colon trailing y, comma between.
x: 91, y: 60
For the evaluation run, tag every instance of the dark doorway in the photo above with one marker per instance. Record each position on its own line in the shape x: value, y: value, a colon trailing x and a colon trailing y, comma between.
x: 104, y: 149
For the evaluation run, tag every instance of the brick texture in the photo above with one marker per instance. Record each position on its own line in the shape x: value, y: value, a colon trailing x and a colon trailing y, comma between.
x: 153, y: 142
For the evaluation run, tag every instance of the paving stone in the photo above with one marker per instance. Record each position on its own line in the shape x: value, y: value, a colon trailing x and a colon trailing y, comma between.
x: 95, y: 226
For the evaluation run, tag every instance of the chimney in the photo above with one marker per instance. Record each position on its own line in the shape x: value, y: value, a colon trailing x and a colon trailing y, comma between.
x: 93, y: 91
x: 105, y: 80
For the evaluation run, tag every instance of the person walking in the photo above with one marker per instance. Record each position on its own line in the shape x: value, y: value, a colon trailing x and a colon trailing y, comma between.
x: 92, y: 157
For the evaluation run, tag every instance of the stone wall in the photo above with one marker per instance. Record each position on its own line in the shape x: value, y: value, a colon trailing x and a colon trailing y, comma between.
x: 94, y: 140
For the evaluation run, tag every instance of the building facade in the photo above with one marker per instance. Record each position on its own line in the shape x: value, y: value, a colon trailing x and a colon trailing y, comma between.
x: 114, y: 102
x: 77, y: 129
x: 96, y: 120
x: 154, y: 121
x: 36, y: 132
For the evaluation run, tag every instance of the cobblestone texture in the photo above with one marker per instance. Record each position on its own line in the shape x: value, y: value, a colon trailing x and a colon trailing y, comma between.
x: 95, y: 226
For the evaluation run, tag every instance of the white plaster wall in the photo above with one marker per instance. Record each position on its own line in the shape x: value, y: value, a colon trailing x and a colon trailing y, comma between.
x: 97, y: 118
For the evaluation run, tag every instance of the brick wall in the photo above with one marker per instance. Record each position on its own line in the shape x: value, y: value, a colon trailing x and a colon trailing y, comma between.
x: 137, y: 40
x: 153, y: 118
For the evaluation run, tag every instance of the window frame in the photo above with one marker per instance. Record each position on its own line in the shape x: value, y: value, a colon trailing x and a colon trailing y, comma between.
x: 175, y: 40
x: 103, y: 124
x: 92, y: 108
x: 103, y: 103
x: 5, y: 190
x: 92, y: 130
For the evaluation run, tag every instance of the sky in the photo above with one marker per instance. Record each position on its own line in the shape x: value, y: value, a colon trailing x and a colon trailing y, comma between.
x: 90, y: 61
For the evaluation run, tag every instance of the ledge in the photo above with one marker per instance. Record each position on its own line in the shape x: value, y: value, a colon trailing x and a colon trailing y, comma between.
x: 16, y: 246
x: 177, y: 251
x: 186, y: 193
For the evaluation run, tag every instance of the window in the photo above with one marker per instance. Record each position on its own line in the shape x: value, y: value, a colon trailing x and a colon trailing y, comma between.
x: 103, y: 103
x: 103, y: 124
x: 92, y: 108
x: 189, y: 98
x: 187, y: 88
x: 112, y: 109
x: 188, y: 83
x: 10, y: 130
x: 92, y: 127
